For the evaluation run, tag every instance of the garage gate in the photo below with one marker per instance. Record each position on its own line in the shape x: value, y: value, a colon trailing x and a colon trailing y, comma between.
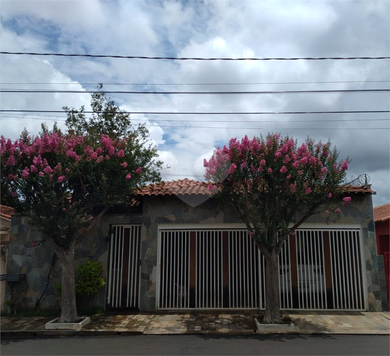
x: 320, y: 269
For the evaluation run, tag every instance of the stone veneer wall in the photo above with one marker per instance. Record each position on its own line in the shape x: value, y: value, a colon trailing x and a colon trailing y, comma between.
x: 160, y: 210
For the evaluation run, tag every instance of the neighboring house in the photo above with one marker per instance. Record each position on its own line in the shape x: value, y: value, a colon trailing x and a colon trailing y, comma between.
x: 5, y: 216
x: 382, y: 227
x: 180, y: 248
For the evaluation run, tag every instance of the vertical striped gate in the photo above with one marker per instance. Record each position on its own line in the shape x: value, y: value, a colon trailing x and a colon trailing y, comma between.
x: 215, y: 269
x: 123, y: 267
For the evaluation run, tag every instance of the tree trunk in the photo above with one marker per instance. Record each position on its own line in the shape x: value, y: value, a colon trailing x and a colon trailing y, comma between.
x: 272, y: 304
x: 68, y: 295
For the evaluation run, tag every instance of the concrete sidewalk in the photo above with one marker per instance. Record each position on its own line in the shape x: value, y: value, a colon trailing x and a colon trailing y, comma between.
x: 232, y: 323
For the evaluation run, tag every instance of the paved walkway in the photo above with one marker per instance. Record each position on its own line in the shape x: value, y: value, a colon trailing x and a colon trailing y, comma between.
x: 203, y: 323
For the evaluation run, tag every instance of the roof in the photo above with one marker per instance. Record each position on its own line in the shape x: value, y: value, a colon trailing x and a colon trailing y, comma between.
x: 382, y: 213
x: 6, y: 211
x: 175, y: 187
x: 192, y: 187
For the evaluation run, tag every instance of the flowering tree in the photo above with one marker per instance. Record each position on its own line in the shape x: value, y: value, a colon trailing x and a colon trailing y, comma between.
x: 275, y: 186
x: 66, y: 182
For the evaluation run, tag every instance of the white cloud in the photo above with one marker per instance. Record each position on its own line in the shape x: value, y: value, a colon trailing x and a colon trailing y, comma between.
x: 216, y: 29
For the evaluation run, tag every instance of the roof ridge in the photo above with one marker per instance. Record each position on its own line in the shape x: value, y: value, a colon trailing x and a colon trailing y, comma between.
x: 380, y: 206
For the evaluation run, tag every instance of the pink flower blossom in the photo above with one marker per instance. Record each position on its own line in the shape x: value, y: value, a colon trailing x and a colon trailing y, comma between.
x: 308, y: 190
x: 293, y: 188
x: 25, y: 173
x: 337, y: 211
x: 94, y: 155
x: 324, y: 170
x: 37, y: 161
x: 124, y: 164
x: 138, y: 170
x: 289, y: 176
x: 262, y: 162
x: 121, y: 153
x: 61, y: 178
x: 278, y: 154
x: 250, y: 233
x: 260, y: 169
x: 41, y: 174
x: 128, y: 176
x: 286, y: 159
x: 232, y: 168
x: 347, y: 199
x: 211, y: 187
x: 295, y: 164
x: 269, y: 170
x: 344, y: 166
x: 111, y: 151
x: 283, y: 169
x: 66, y: 170
x: 48, y: 170
x: 243, y: 165
x: 303, y: 160
x: 329, y: 195
x: 33, y: 169
x: 11, y: 161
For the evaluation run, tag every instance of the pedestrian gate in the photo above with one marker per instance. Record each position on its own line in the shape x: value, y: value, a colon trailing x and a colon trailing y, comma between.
x: 123, y: 267
x: 214, y: 269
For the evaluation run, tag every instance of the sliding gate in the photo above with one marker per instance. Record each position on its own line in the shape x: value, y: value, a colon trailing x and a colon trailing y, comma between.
x: 215, y: 269
x: 123, y: 267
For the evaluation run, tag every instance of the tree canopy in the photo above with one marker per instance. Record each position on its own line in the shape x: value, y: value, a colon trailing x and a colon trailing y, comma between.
x: 66, y: 181
x: 275, y: 186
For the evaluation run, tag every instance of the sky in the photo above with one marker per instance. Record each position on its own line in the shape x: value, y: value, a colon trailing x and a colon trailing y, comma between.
x: 208, y: 28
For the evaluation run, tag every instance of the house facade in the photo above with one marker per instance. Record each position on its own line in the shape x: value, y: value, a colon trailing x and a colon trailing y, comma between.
x: 5, y: 225
x: 183, y: 249
x: 382, y: 227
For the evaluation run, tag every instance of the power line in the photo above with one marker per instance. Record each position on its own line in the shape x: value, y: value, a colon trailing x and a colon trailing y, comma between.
x: 208, y: 113
x: 21, y: 116
x: 197, y: 58
x: 203, y: 84
x: 34, y: 91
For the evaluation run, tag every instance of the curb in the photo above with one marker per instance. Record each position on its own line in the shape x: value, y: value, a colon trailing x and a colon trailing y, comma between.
x: 31, y: 334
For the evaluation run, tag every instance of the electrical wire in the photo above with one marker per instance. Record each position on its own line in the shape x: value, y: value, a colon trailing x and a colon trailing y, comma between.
x: 202, y: 84
x: 208, y: 113
x: 196, y: 58
x: 325, y: 91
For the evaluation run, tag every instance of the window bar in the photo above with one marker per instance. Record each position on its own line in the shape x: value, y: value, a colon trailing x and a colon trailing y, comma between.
x: 324, y: 296
x: 115, y: 266
x: 311, y: 268
x: 317, y: 270
x: 335, y: 264
x: 354, y: 291
x: 359, y: 269
x: 350, y: 272
x: 130, y: 268
x: 110, y: 269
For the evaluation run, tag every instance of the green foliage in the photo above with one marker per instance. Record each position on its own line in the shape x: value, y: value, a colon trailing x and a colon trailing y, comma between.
x: 88, y: 278
x: 64, y: 181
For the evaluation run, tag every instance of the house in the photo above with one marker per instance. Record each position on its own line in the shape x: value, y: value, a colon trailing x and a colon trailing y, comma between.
x: 382, y: 227
x: 5, y: 216
x: 180, y: 248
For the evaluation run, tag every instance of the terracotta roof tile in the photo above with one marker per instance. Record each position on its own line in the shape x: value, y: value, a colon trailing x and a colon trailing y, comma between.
x: 382, y: 213
x: 191, y: 187
x: 175, y: 187
x: 6, y: 211
x: 360, y: 189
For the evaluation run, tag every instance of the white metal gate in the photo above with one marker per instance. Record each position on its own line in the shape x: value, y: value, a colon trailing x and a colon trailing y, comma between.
x: 215, y: 269
x: 123, y: 267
